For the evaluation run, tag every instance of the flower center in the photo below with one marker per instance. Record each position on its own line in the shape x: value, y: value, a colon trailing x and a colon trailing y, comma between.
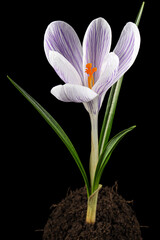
x: 90, y: 72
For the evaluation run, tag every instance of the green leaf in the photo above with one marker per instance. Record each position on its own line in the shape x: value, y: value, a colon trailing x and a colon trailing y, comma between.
x: 138, y: 18
x: 104, y: 157
x: 57, y: 128
x: 109, y: 115
x: 112, y: 103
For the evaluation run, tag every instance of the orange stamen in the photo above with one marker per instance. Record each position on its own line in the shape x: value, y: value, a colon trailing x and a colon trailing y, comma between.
x: 90, y: 72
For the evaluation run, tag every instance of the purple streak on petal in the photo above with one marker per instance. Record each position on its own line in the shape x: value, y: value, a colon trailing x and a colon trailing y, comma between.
x: 62, y: 38
x: 64, y: 68
x: 97, y: 54
x: 108, y: 73
x: 96, y: 45
x: 104, y: 88
x: 125, y: 56
x: 127, y: 48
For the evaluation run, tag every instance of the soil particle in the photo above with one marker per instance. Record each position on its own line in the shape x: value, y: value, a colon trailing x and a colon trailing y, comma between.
x: 115, y: 218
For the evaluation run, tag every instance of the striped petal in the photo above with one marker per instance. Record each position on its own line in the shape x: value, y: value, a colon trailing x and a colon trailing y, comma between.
x: 73, y: 93
x: 96, y: 45
x: 64, y: 68
x: 61, y: 37
x: 127, y: 48
x: 108, y: 73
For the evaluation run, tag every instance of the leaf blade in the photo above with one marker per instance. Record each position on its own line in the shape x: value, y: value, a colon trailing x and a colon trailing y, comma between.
x: 58, y: 130
x: 104, y: 158
x: 109, y: 115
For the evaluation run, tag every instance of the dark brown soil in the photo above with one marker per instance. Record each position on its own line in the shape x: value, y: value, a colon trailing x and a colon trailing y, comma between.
x: 115, y: 218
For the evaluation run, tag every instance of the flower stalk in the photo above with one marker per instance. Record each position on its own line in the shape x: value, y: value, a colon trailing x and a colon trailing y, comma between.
x: 94, y: 147
x: 92, y: 207
x: 94, y: 156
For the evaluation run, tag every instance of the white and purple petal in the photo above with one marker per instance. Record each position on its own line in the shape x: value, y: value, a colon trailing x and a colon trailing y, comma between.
x: 108, y: 73
x: 127, y: 48
x: 64, y: 68
x: 73, y: 93
x: 96, y: 45
x: 61, y: 37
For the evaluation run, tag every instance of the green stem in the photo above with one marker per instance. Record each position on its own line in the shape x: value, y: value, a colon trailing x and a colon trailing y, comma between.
x: 94, y: 147
x: 92, y: 199
x: 92, y: 207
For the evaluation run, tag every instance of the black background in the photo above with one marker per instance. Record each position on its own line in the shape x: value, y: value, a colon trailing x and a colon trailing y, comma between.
x: 36, y: 168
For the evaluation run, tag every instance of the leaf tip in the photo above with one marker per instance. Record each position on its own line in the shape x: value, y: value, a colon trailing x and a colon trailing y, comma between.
x: 133, y: 127
x: 137, y: 21
x: 9, y: 78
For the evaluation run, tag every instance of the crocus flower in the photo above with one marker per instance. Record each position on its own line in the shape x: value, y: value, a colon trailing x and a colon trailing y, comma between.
x: 90, y: 69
